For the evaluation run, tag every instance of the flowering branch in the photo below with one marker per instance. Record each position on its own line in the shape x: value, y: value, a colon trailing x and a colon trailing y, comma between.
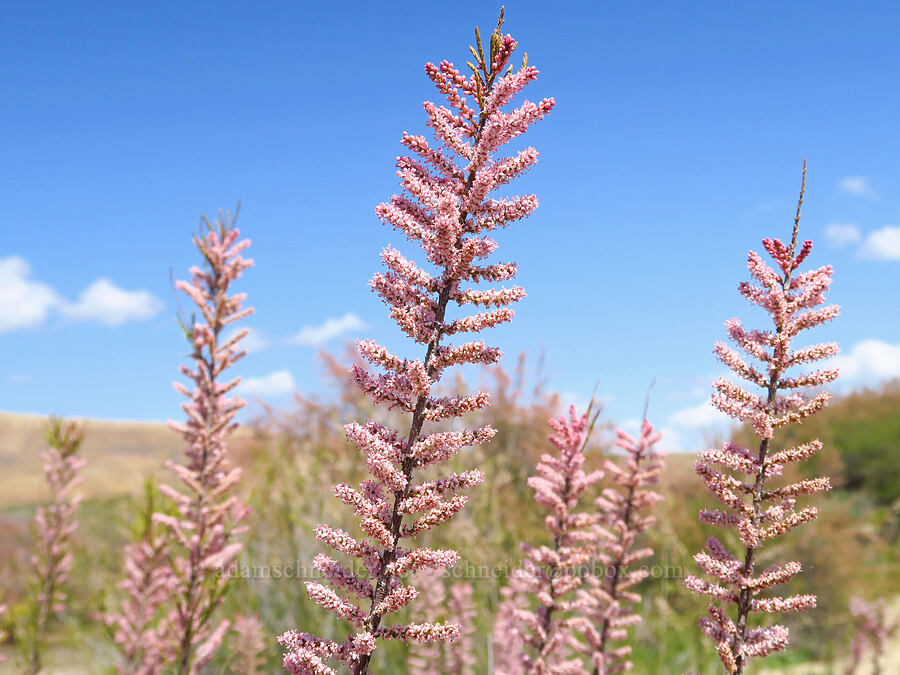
x: 552, y: 574
x: 55, y: 524
x: 249, y: 645
x: 446, y: 208
x: 873, y: 630
x: 757, y: 512
x: 147, y: 585
x: 438, y: 657
x: 203, y: 534
x: 608, y: 598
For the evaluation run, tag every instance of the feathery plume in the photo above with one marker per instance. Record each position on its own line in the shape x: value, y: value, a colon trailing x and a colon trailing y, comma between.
x: 609, y: 598
x: 147, y: 585
x: 446, y: 207
x: 752, y: 508
x: 441, y: 657
x: 248, y: 645
x: 552, y: 575
x: 54, y: 525
x: 203, y: 536
x: 873, y: 630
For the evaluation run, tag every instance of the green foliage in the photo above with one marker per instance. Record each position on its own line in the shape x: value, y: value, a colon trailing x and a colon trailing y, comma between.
x: 293, y: 459
x: 861, y: 434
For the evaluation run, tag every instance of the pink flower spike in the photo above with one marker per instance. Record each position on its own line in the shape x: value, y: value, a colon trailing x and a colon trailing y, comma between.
x: 447, y: 208
x: 756, y: 512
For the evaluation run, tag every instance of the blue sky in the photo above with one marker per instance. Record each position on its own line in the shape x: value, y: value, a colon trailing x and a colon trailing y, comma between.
x: 675, y: 146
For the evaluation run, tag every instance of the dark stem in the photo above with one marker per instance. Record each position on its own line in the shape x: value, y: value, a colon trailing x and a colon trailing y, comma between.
x: 415, y: 430
x: 613, y: 581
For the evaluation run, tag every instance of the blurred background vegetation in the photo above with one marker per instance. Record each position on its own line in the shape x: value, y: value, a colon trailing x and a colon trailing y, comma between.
x: 291, y: 458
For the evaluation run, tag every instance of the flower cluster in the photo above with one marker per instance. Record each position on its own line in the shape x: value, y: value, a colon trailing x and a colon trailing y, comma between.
x: 447, y: 209
x: 873, y: 630
x: 248, y: 645
x: 553, y: 574
x: 623, y: 517
x: 147, y: 585
x: 55, y: 523
x: 181, y: 565
x: 752, y: 508
x: 457, y: 658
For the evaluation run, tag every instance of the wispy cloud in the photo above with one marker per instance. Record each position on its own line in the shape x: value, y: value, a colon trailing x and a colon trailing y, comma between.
x: 253, y: 342
x: 110, y: 305
x: 278, y: 383
x: 313, y: 336
x: 869, y: 362
x: 840, y: 235
x: 856, y: 185
x: 698, y: 417
x: 882, y: 244
x: 24, y: 302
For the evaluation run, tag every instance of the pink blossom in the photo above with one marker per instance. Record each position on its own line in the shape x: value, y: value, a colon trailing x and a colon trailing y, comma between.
x: 55, y: 523
x: 447, y: 208
x: 757, y: 512
x: 873, y: 630
x: 458, y: 657
x: 175, y: 629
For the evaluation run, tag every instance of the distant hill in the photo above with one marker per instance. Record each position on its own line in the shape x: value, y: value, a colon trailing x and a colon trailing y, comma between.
x: 119, y: 455
x: 861, y: 436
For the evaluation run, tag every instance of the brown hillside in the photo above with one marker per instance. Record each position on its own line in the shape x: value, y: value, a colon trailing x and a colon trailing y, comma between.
x: 119, y: 456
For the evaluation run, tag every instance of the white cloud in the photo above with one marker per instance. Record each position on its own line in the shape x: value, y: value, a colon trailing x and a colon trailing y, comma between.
x: 254, y: 341
x: 842, y: 234
x: 279, y: 383
x: 868, y: 362
x: 313, y: 336
x: 108, y: 304
x: 632, y: 425
x: 883, y: 244
x: 856, y: 185
x: 24, y: 302
x: 672, y: 440
x: 698, y: 417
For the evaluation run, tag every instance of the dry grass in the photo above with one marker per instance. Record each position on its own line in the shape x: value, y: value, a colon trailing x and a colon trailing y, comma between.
x: 119, y: 455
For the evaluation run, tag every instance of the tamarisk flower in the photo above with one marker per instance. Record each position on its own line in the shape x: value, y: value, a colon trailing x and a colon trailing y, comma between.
x: 447, y: 208
x: 553, y: 574
x: 608, y: 598
x: 147, y: 585
x: 441, y: 657
x: 203, y: 535
x: 248, y: 645
x: 506, y: 643
x: 754, y: 509
x: 55, y: 523
x: 873, y: 630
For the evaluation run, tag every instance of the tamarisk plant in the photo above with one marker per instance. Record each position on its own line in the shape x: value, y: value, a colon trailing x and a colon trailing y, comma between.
x: 54, y: 525
x: 552, y: 574
x: 203, y: 535
x: 248, y: 645
x: 457, y: 658
x: 147, y: 585
x: 622, y: 518
x: 873, y: 630
x: 447, y: 209
x: 756, y: 510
